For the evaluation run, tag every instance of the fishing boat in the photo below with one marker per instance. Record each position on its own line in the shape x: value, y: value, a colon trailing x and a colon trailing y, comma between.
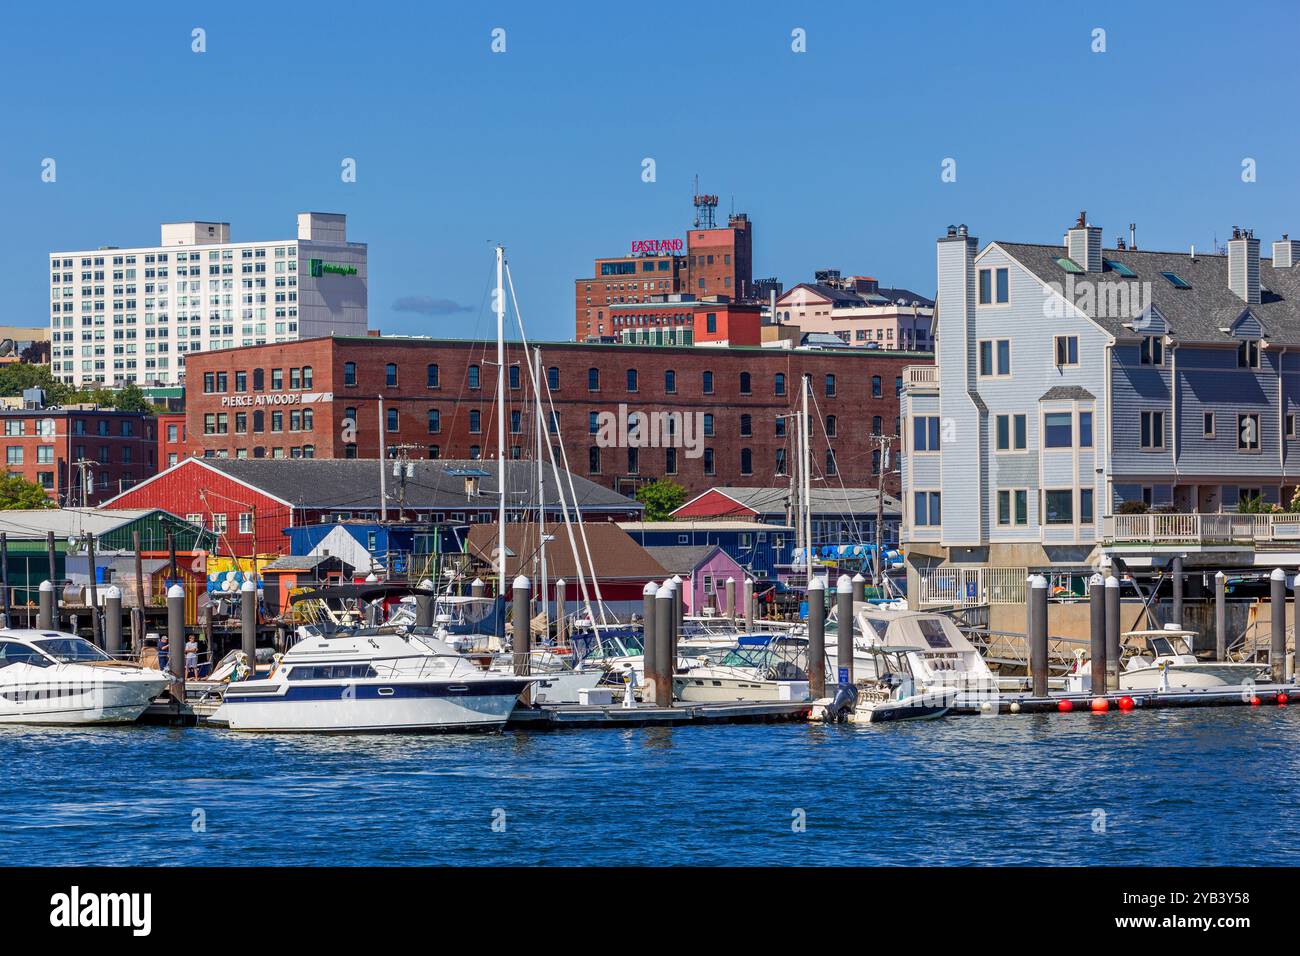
x: 372, y: 679
x: 1163, y: 660
x: 50, y: 677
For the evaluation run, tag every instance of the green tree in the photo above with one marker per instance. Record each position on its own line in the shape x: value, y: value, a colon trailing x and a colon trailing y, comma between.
x: 131, y: 398
x: 661, y: 498
x: 17, y: 376
x: 16, y: 492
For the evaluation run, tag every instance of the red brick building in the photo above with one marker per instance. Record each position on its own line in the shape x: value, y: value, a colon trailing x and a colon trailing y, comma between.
x: 710, y: 322
x: 717, y: 262
x: 320, y: 398
x: 43, y: 445
x: 172, y: 439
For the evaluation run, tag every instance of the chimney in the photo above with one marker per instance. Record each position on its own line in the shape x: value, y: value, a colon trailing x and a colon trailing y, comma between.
x: 1083, y: 244
x: 1243, y: 265
x: 1286, y: 253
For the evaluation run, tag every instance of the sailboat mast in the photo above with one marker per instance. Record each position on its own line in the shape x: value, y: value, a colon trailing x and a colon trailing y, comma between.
x: 541, y: 494
x: 806, y: 469
x: 501, y: 427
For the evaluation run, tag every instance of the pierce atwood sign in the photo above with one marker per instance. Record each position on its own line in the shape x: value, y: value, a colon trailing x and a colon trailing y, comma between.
x: 320, y: 267
x: 275, y: 398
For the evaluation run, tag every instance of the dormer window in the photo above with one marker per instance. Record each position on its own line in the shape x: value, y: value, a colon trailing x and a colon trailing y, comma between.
x: 1248, y: 353
x: 1152, y: 350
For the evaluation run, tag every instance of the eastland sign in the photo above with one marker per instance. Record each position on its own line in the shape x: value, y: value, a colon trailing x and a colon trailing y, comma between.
x: 277, y: 398
x: 319, y: 267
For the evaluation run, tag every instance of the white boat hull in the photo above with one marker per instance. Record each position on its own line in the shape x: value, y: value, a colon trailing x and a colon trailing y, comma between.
x: 1191, y: 676
x: 924, y: 706
x: 78, y: 703
x: 713, y: 690
x: 364, y: 706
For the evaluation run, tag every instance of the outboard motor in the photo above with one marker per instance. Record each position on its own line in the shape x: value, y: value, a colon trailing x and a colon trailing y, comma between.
x: 843, y: 703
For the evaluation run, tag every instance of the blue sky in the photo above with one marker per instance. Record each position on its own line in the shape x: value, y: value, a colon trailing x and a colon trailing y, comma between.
x: 835, y: 153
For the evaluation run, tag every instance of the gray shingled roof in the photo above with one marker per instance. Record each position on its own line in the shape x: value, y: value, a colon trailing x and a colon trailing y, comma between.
x: 846, y: 298
x: 681, y: 558
x: 824, y: 500
x: 1067, y: 393
x: 1194, y: 315
x: 353, y: 483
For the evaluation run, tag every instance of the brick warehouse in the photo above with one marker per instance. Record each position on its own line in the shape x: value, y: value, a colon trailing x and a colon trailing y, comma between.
x: 292, y: 400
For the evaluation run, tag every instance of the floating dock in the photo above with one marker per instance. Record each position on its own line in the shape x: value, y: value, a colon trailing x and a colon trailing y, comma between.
x: 1026, y: 703
x: 556, y: 716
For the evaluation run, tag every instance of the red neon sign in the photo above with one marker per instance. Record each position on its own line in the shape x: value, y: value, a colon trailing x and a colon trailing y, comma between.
x: 642, y: 247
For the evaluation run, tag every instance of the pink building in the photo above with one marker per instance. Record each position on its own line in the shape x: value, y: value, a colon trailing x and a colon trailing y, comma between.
x: 705, y: 569
x: 860, y: 312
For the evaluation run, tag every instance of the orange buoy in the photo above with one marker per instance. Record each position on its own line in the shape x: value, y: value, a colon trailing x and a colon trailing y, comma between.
x: 1282, y: 698
x: 1099, y: 705
x: 1064, y: 706
x: 1126, y: 703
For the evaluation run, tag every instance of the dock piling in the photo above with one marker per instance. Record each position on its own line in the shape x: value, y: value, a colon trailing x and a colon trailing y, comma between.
x: 859, y: 587
x: 45, y: 616
x: 561, y: 595
x: 1220, y: 616
x: 731, y: 600
x: 477, y: 588
x: 1038, y: 634
x: 54, y: 587
x: 664, y: 663
x: 521, y: 643
x: 844, y: 628
x: 113, y: 620
x: 749, y: 604
x: 424, y: 605
x: 248, y: 622
x: 4, y: 579
x: 648, y: 657
x: 176, y: 637
x: 1177, y: 571
x: 96, y: 630
x: 1097, y: 634
x: 1277, y: 611
x: 817, y: 639
x: 1112, y: 632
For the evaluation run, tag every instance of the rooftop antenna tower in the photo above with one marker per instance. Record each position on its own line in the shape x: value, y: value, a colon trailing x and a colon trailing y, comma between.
x: 705, y: 207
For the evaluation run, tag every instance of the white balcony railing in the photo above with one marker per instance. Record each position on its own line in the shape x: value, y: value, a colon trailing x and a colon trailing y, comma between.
x: 920, y: 376
x: 1201, y: 529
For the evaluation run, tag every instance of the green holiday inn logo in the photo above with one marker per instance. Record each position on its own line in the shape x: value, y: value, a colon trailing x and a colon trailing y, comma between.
x: 319, y: 267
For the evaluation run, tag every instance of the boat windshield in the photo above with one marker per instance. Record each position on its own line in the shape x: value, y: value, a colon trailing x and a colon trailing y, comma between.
x: 71, y: 650
x: 1168, y: 646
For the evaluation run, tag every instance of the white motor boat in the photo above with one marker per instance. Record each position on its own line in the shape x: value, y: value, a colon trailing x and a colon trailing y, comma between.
x: 372, y: 679
x: 756, y: 667
x: 895, y: 694
x: 1163, y: 660
x: 50, y: 677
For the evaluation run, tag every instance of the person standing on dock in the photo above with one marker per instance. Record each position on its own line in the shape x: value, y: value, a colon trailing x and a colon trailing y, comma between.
x: 191, y: 658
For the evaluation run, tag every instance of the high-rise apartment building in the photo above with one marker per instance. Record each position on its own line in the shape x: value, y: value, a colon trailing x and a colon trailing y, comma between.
x: 120, y: 316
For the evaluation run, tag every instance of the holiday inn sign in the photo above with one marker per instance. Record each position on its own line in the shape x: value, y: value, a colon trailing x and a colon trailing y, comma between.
x: 319, y: 267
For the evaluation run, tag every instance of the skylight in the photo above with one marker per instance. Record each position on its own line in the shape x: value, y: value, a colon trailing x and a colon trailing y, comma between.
x: 1069, y: 265
x: 1177, y: 281
x: 1119, y: 268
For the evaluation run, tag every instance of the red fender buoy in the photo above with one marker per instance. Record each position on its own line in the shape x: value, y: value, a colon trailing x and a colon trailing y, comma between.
x: 1126, y: 703
x: 1064, y: 706
x: 1099, y: 705
x: 1282, y: 699
x: 1254, y: 701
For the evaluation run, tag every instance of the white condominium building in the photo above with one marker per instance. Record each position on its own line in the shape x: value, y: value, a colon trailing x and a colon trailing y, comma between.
x: 119, y: 316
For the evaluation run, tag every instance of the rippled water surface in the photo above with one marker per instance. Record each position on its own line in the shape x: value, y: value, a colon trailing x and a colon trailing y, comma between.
x: 1164, y: 787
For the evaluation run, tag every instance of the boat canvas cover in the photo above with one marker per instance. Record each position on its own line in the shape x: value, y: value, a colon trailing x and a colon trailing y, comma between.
x: 922, y: 632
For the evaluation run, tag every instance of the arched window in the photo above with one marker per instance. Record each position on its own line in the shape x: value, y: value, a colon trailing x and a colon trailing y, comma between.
x: 631, y: 380
x: 830, y: 386
x: 875, y: 386
x: 708, y: 424
x: 707, y: 382
x: 670, y: 381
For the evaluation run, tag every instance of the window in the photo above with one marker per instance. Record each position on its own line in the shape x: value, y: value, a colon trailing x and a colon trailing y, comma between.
x: 593, y: 380
x: 670, y: 381
x: 552, y: 378
x: 995, y: 357
x: 707, y: 381
x: 473, y: 376
x: 1058, y: 507
x: 306, y: 377
x: 925, y: 433
x: 631, y: 380
x: 1175, y: 280
x: 778, y: 383
x: 747, y: 461
x: 994, y: 286
x: 1013, y: 507
x: 1153, y: 430
x: 830, y: 386
x: 876, y: 387
x: 1085, y: 429
x: 390, y: 375
x: 876, y: 424
x: 593, y: 460
x: 707, y: 424
x: 391, y: 414
x: 744, y: 383
x: 1058, y: 430
x: 349, y: 373
x: 926, y: 509
x: 475, y: 421
x: 1209, y: 424
x: 277, y: 379
x: 831, y: 467
x: 432, y: 373
x: 633, y: 461
x: 1085, y: 506
x: 1248, y: 354
x: 435, y: 421
x: 514, y: 377
x: 747, y: 425
x: 1152, y: 351
x: 1011, y: 432
x: 670, y: 461
x: 1067, y: 350
x: 245, y: 522
x: 708, y: 461
x: 780, y: 461
x: 1290, y: 425
x: 1248, y: 432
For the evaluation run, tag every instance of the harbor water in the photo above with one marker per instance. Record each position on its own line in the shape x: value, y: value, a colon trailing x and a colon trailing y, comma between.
x: 1175, y: 787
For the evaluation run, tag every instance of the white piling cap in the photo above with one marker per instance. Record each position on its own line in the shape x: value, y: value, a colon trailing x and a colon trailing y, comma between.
x: 664, y: 593
x: 1038, y: 581
x: 426, y: 585
x: 114, y: 593
x: 859, y: 579
x: 844, y: 583
x: 476, y: 583
x: 1112, y: 582
x: 731, y: 580
x: 677, y: 579
x: 1277, y: 575
x: 561, y: 581
x: 175, y: 591
x: 817, y: 584
x: 1219, y: 574
x: 650, y: 588
x: 521, y: 583
x: 248, y: 585
x: 1096, y: 580
x: 370, y: 578
x: 46, y: 586
x: 672, y: 584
